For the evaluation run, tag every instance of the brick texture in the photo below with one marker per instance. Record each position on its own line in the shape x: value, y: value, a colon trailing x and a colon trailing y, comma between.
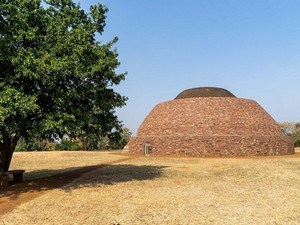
x: 210, y: 126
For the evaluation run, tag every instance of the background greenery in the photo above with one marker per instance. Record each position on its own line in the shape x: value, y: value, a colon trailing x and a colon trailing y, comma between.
x: 292, y: 129
x: 94, y: 142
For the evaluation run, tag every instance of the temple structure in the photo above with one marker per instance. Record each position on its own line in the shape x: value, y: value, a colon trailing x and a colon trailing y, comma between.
x: 209, y: 122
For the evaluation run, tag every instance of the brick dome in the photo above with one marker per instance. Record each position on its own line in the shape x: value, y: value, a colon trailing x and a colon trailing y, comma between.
x: 205, y: 92
x: 210, y: 126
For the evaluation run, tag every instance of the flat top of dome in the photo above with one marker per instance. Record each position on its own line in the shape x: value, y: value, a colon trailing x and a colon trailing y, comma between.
x: 205, y: 92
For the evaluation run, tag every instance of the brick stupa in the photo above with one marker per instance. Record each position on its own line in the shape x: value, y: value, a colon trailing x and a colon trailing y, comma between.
x: 209, y: 122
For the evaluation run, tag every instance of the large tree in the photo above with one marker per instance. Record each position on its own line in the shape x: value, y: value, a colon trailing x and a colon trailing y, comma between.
x: 56, y: 79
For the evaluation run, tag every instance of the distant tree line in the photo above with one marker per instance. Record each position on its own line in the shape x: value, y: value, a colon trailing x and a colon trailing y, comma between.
x: 114, y: 140
x: 292, y: 129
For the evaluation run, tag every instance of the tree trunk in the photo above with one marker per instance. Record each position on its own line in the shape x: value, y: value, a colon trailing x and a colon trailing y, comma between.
x: 7, y: 148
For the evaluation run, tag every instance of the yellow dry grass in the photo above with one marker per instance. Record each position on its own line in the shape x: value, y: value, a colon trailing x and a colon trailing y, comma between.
x: 41, y: 164
x: 162, y: 190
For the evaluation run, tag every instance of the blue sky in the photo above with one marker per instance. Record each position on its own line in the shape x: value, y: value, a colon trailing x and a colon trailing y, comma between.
x: 250, y: 47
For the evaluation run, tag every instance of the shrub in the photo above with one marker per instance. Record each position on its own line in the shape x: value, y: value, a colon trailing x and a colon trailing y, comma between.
x: 297, y: 143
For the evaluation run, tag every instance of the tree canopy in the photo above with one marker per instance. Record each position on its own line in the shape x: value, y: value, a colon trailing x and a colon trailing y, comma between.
x: 56, y: 79
x: 292, y: 129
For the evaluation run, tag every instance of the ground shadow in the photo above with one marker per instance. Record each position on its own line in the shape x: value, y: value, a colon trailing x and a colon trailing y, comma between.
x: 104, y: 174
x: 114, y: 174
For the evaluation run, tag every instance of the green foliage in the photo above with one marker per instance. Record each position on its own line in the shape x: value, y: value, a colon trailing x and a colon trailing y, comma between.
x: 118, y: 140
x: 292, y: 129
x: 296, y: 135
x: 55, y: 78
x: 115, y: 140
x: 296, y: 138
x: 68, y: 144
x: 90, y: 141
x: 288, y: 127
x: 22, y: 146
x: 34, y: 145
x: 15, y: 106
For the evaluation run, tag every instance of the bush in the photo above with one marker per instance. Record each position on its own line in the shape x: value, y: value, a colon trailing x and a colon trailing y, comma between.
x: 34, y: 145
x: 297, y: 143
x: 67, y: 144
x: 22, y: 146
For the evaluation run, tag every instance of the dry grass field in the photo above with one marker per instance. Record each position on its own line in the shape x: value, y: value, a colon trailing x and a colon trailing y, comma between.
x: 164, y: 190
x: 41, y: 164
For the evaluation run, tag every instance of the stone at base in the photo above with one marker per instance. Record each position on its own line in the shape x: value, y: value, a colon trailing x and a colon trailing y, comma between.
x: 4, y: 178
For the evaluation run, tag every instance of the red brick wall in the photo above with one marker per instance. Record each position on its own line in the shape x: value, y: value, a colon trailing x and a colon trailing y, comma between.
x: 210, y: 126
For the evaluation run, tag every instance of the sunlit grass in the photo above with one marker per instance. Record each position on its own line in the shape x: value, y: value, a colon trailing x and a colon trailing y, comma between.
x: 165, y: 190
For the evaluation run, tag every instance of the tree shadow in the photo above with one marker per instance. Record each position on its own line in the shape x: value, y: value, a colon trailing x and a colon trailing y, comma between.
x: 114, y: 174
x: 104, y: 174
